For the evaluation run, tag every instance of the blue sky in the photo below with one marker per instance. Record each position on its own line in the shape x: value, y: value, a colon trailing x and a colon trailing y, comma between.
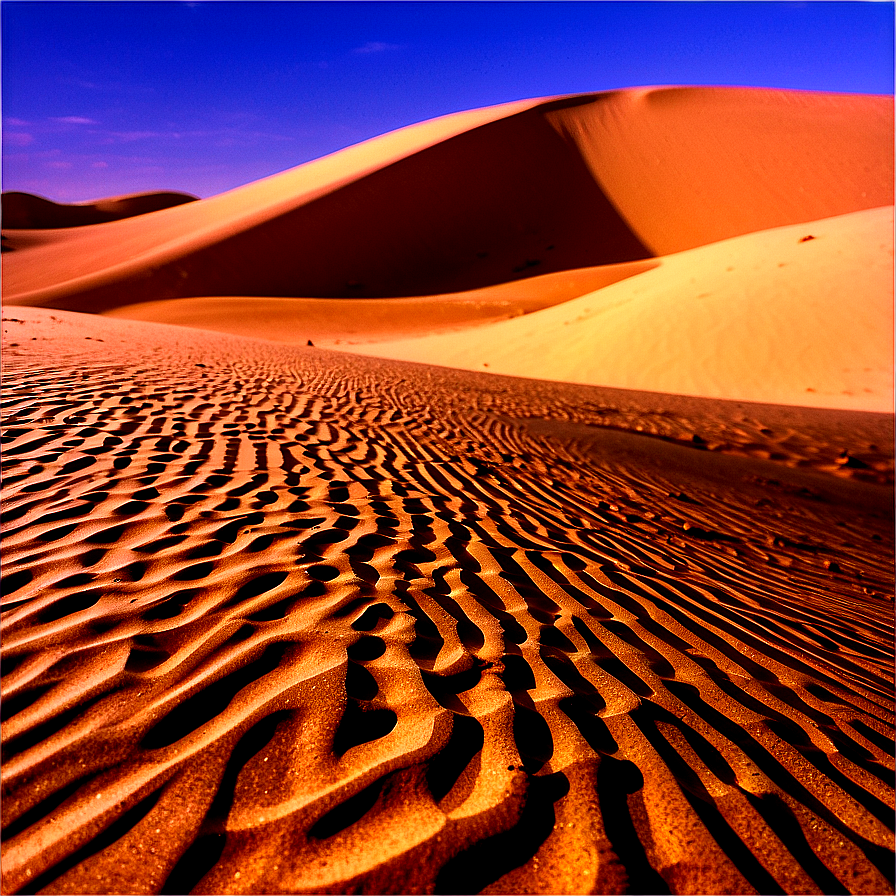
x: 104, y: 98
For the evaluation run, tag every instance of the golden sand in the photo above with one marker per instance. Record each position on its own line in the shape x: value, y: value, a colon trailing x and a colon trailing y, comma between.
x: 287, y: 618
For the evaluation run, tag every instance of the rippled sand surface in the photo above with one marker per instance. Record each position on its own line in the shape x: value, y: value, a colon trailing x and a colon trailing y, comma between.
x: 279, y: 619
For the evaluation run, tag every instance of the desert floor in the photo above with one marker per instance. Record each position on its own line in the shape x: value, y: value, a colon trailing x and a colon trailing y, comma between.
x: 364, y: 533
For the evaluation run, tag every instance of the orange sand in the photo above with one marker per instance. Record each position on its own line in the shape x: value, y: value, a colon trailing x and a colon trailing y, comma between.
x: 278, y: 618
x: 762, y: 317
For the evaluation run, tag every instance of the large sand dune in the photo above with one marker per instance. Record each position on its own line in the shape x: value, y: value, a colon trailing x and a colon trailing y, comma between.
x: 516, y: 208
x: 279, y: 618
x: 799, y: 315
x: 484, y: 197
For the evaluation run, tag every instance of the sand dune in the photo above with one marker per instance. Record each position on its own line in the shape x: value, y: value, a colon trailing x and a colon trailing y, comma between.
x: 26, y: 211
x: 337, y: 321
x: 692, y: 189
x: 278, y: 618
x: 484, y: 197
x: 770, y: 316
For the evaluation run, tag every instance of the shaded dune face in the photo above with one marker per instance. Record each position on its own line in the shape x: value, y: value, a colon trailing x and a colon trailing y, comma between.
x: 25, y: 211
x: 280, y: 620
x: 504, y: 201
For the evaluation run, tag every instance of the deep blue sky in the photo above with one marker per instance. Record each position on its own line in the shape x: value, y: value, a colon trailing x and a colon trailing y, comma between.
x: 104, y: 98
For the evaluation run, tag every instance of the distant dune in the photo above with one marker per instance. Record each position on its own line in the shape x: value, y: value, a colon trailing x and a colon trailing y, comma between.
x: 564, y: 191
x: 501, y: 505
x: 25, y: 211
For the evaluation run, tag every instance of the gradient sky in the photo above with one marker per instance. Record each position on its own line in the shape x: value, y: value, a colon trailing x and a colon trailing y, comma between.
x: 105, y: 98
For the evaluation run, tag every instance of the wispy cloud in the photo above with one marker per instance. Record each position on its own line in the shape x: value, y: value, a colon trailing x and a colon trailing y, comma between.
x: 130, y: 136
x: 229, y: 136
x: 108, y: 86
x: 74, y: 119
x: 376, y: 46
x: 19, y: 138
x: 16, y: 138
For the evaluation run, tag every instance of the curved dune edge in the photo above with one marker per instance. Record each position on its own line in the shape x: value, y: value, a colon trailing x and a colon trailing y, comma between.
x: 332, y: 322
x: 28, y: 211
x: 277, y: 619
x: 768, y: 317
x: 479, y: 198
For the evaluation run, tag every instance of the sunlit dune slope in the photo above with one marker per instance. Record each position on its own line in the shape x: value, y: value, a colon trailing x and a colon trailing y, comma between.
x: 487, y: 196
x: 691, y: 165
x: 26, y: 211
x: 354, y: 321
x: 774, y: 316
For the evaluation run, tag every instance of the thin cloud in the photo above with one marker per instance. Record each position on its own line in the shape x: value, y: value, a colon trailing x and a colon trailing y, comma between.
x: 234, y: 136
x: 131, y: 136
x: 108, y: 86
x: 74, y: 119
x: 376, y: 46
x: 17, y: 122
x: 18, y: 139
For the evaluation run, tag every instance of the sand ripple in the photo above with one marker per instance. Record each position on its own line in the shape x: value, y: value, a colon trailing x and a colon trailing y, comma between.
x: 285, y: 620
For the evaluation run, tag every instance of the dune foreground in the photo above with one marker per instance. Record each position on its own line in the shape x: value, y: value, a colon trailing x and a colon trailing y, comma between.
x: 280, y: 619
x: 502, y: 505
